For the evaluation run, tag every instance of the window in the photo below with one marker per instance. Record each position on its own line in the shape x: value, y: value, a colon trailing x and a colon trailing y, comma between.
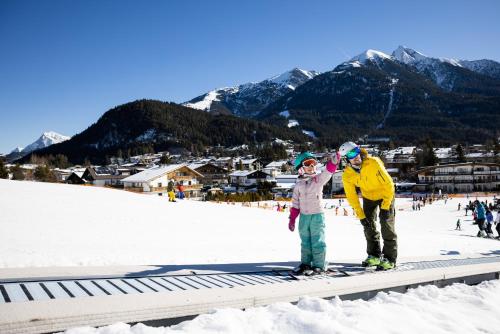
x: 159, y: 184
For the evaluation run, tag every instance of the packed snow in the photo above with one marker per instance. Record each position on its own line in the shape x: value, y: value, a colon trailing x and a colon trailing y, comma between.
x: 46, y: 224
x: 454, y: 309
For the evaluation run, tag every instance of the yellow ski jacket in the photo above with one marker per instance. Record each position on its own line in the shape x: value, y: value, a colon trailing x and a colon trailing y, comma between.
x: 373, y: 180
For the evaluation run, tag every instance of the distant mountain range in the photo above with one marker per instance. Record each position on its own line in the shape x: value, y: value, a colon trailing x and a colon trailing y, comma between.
x: 148, y: 126
x: 406, y: 97
x: 45, y: 140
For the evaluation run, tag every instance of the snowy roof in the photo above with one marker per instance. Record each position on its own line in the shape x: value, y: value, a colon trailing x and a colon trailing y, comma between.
x: 248, y: 161
x: 223, y: 159
x: 152, y: 173
x: 479, y: 155
x: 241, y: 173
x: 276, y: 164
x: 245, y: 172
x: 408, y: 150
x: 195, y: 166
x: 443, y: 152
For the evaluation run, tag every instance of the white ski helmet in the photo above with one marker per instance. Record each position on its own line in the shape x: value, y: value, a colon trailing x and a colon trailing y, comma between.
x: 346, y: 147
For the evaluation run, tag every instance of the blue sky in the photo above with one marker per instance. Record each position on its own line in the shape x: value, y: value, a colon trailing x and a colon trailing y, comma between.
x: 64, y: 63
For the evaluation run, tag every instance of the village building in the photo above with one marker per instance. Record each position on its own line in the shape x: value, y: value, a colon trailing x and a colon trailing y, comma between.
x: 460, y: 177
x: 155, y: 180
x: 246, y: 178
x: 102, y: 176
x: 212, y: 174
x: 400, y: 161
x: 275, y: 168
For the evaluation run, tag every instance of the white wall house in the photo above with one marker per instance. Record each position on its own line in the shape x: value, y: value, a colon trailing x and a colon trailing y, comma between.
x: 156, y: 179
x: 274, y: 168
x: 247, y: 178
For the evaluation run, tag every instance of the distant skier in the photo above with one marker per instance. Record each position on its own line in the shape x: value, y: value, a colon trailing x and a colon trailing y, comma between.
x: 180, y: 189
x: 497, y: 223
x: 377, y: 188
x: 480, y: 213
x: 459, y: 225
x: 171, y: 191
x: 306, y: 202
x: 489, y: 223
x: 459, y: 207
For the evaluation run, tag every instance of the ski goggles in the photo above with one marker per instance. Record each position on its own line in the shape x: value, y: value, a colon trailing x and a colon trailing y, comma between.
x: 353, y: 153
x: 309, y: 163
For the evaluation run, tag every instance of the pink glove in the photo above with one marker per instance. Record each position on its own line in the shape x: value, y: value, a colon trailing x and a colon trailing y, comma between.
x: 333, y: 163
x: 294, y: 213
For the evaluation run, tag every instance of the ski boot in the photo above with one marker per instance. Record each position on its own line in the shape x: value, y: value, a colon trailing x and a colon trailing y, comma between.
x: 371, y: 261
x: 318, y: 271
x: 303, y: 269
x: 386, y: 264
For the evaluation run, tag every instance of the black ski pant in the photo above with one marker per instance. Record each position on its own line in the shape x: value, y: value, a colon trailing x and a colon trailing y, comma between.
x: 387, y: 227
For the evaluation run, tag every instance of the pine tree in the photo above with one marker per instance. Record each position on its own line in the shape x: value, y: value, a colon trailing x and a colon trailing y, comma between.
x: 44, y: 174
x: 460, y: 153
x: 165, y: 160
x: 429, y: 158
x: 17, y: 173
x: 4, y: 173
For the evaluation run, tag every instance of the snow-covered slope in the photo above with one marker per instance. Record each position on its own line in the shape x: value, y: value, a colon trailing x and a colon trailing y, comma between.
x: 251, y: 98
x: 123, y: 228
x: 487, y: 67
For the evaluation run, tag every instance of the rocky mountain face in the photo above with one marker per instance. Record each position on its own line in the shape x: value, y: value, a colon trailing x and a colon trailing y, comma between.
x: 474, y: 77
x: 404, y: 96
x: 249, y: 99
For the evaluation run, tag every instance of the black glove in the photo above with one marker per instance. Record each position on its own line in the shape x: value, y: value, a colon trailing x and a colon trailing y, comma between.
x: 364, y: 222
x: 384, y: 214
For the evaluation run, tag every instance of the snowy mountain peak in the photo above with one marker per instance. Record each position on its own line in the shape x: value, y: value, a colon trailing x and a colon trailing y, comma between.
x: 369, y: 54
x: 294, y: 77
x: 17, y: 150
x: 45, y: 140
x: 407, y: 55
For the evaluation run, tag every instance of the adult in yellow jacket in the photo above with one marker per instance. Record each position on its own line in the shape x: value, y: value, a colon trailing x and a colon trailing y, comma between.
x: 377, y: 189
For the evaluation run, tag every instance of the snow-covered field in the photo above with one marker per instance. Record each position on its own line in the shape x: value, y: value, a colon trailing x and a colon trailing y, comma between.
x: 65, y: 225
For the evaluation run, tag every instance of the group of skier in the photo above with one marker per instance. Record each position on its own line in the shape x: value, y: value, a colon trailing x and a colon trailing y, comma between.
x: 377, y: 189
x: 483, y: 217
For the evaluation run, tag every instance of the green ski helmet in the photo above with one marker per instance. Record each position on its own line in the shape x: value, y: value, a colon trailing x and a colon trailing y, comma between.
x: 301, y: 157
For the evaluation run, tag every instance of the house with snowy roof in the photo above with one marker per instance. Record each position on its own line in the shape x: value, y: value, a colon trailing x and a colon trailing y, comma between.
x: 276, y: 167
x: 156, y: 179
x: 102, y: 176
x: 212, y: 174
x: 246, y: 178
x: 400, y: 161
x: 248, y: 164
x: 224, y: 162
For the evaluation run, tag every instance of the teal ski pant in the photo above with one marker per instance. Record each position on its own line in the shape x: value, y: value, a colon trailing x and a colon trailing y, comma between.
x: 312, y: 236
